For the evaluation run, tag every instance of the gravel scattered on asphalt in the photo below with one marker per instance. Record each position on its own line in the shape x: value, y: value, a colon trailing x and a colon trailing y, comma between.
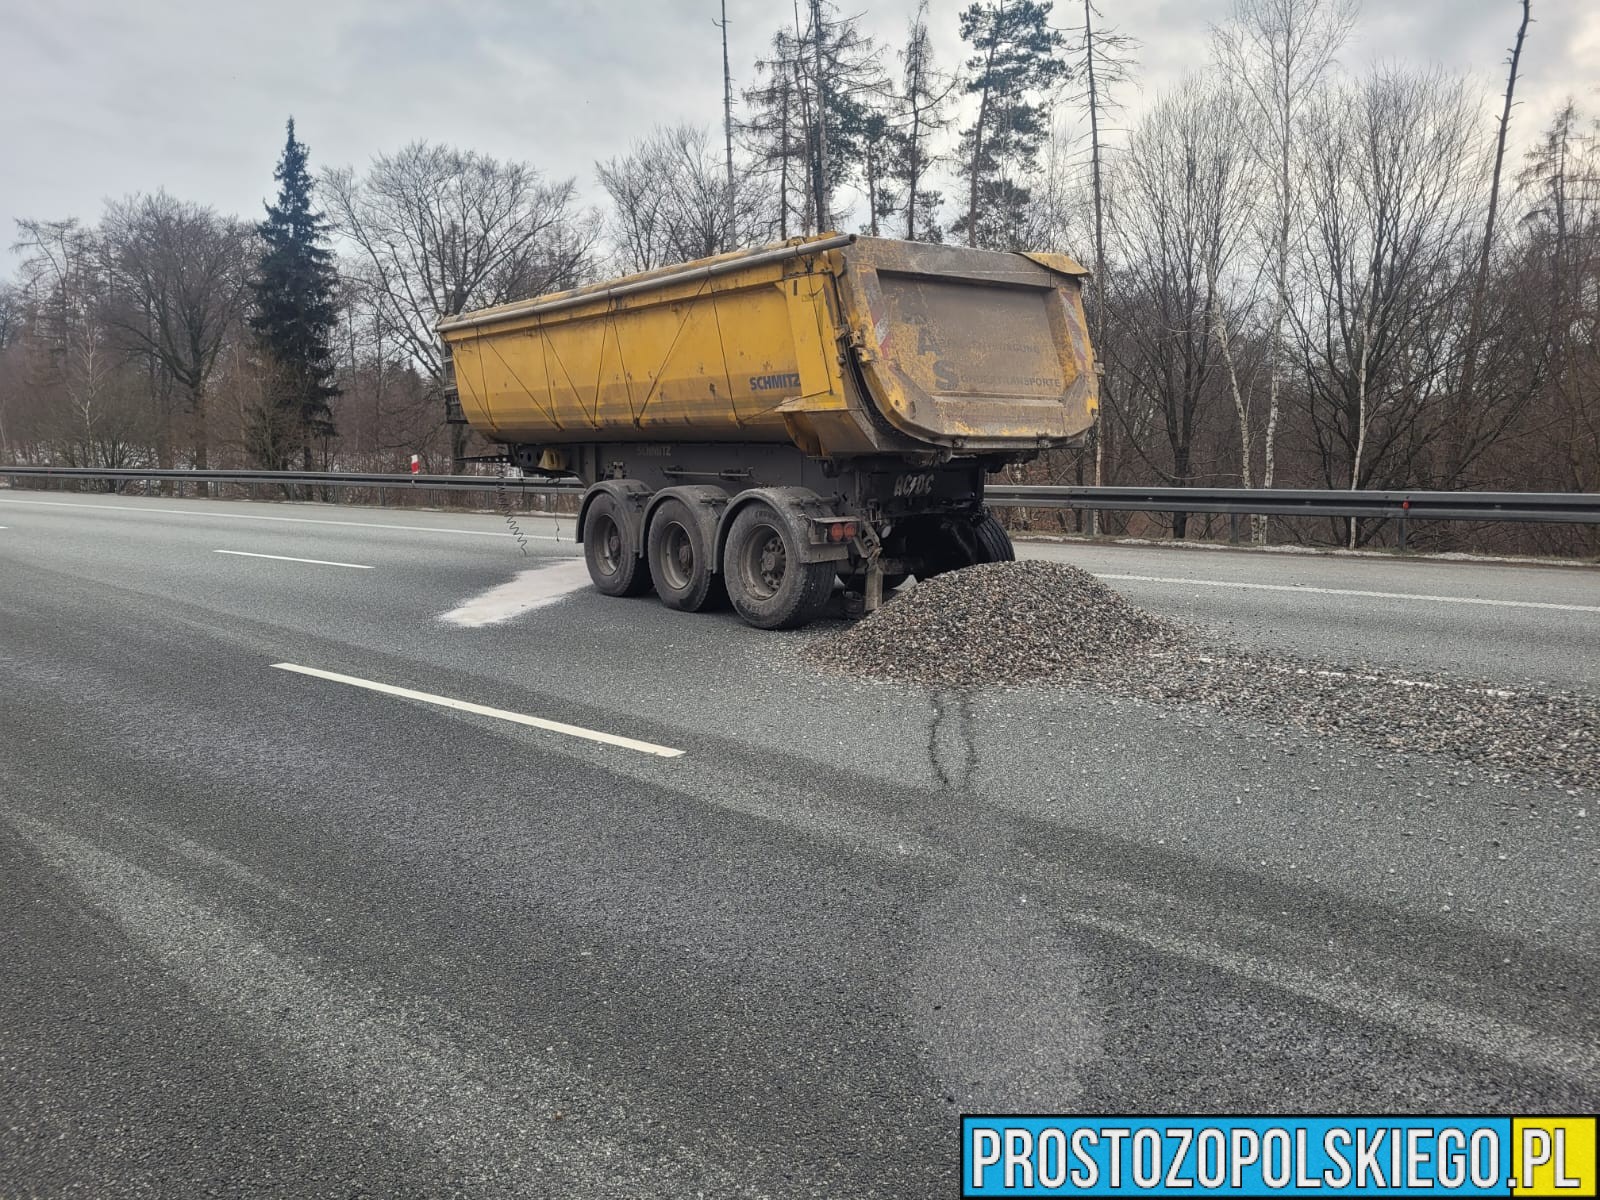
x: 1020, y: 623
x: 1000, y: 623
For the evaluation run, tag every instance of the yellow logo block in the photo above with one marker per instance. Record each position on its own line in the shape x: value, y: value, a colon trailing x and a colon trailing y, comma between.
x: 1553, y: 1156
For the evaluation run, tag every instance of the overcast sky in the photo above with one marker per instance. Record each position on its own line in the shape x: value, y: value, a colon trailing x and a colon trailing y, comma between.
x: 102, y: 98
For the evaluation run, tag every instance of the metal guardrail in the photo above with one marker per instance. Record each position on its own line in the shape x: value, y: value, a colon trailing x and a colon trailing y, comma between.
x: 1557, y: 507
x: 1575, y: 507
x: 338, y: 479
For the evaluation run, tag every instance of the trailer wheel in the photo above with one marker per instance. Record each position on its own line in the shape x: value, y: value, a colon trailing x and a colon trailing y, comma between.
x: 951, y: 543
x: 613, y: 565
x: 993, y: 539
x: 680, y: 559
x: 768, y: 583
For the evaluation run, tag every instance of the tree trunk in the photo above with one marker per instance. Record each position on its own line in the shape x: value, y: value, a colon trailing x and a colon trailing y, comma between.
x: 1458, y: 448
x: 1361, y: 418
x: 977, y: 141
x: 783, y: 167
x: 197, y: 405
x: 824, y: 217
x: 727, y: 132
x: 1099, y: 245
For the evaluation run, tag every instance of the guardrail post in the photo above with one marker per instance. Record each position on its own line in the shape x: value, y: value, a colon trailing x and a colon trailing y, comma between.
x: 1233, y: 528
x: 1402, y: 533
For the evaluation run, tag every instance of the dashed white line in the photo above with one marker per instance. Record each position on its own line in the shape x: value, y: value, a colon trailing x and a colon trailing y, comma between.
x: 195, y: 512
x: 501, y: 714
x: 319, y: 562
x: 1322, y: 591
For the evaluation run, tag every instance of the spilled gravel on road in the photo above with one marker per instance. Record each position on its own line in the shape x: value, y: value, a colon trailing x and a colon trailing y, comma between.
x: 1027, y: 623
x: 1002, y: 623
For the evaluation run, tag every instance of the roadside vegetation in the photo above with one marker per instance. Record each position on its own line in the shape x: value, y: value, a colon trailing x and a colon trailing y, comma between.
x: 1310, y: 271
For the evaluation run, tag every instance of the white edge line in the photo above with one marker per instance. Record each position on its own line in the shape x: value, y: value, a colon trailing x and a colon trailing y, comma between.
x: 318, y: 562
x: 1292, y: 587
x: 577, y: 731
x: 197, y: 512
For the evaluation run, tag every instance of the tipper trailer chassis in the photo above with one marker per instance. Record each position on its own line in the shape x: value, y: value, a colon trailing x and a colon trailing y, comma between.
x: 755, y: 425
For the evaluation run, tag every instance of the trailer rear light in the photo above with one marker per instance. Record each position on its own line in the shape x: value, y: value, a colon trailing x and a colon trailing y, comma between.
x: 830, y: 529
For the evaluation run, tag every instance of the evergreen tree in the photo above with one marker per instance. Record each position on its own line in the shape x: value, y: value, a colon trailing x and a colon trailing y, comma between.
x: 811, y: 111
x: 776, y: 134
x: 921, y: 106
x: 1014, y: 65
x: 295, y: 316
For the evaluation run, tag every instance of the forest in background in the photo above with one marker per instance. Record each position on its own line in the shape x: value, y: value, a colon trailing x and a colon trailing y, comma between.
x: 1308, y: 272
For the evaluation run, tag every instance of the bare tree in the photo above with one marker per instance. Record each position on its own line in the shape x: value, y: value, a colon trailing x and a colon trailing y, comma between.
x: 77, y: 360
x: 1392, y: 173
x: 443, y: 231
x: 1179, y: 219
x: 1459, y: 450
x: 1105, y: 60
x: 11, y: 325
x: 181, y: 273
x: 1552, y: 274
x: 1278, y: 52
x: 670, y: 202
x: 727, y: 122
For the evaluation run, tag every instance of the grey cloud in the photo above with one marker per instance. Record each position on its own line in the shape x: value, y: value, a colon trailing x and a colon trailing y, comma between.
x: 100, y: 98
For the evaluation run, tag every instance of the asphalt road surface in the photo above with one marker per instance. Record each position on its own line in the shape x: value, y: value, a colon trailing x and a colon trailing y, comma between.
x: 308, y: 890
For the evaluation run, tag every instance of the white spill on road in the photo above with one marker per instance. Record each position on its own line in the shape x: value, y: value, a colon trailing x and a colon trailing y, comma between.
x: 529, y: 590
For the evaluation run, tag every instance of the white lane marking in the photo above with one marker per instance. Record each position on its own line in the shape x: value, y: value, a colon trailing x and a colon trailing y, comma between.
x: 529, y: 590
x: 318, y: 562
x: 1294, y: 587
x: 577, y: 731
x: 195, y: 512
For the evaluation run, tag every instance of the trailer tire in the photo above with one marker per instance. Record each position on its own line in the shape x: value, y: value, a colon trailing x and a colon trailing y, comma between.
x: 993, y: 539
x: 616, y: 568
x: 680, y: 555
x: 771, y: 588
x: 953, y: 542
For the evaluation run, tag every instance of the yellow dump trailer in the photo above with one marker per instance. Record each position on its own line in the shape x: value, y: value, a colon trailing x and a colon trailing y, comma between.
x: 758, y: 423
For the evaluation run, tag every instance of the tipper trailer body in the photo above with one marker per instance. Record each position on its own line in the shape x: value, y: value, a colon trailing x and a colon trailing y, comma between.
x: 760, y: 422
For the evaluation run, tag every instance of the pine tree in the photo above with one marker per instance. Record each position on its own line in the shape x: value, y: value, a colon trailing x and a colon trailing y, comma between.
x: 921, y: 102
x: 810, y: 112
x: 294, y: 320
x: 1015, y: 62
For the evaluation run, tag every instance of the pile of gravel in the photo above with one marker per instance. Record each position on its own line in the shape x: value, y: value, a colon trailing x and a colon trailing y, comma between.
x: 1001, y: 623
x: 1019, y: 623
